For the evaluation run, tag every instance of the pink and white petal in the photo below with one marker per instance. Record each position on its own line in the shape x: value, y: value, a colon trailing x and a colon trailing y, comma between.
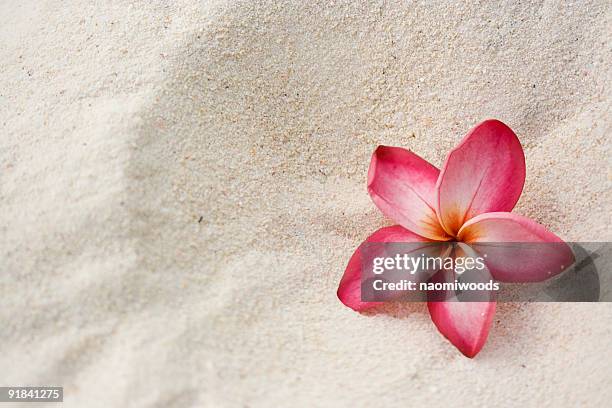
x: 465, y: 324
x: 484, y: 173
x: 402, y: 185
x: 517, y: 248
x: 349, y: 290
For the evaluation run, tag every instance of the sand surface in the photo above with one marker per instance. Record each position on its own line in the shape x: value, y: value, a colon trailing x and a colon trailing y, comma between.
x: 182, y: 184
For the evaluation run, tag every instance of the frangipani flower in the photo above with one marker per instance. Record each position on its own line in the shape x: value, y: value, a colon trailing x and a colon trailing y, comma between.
x: 467, y: 201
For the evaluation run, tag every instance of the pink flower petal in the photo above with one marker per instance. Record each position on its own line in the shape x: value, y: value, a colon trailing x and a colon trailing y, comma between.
x: 484, y: 173
x: 349, y: 290
x: 402, y: 185
x: 537, y: 254
x: 465, y: 324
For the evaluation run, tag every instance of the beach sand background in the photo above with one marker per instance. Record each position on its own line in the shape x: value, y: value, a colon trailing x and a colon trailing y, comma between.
x: 182, y: 184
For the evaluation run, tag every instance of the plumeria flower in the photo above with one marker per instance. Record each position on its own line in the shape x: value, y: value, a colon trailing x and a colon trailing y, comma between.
x: 468, y: 201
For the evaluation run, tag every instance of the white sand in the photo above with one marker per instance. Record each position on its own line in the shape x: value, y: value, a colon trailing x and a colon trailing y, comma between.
x: 123, y: 124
